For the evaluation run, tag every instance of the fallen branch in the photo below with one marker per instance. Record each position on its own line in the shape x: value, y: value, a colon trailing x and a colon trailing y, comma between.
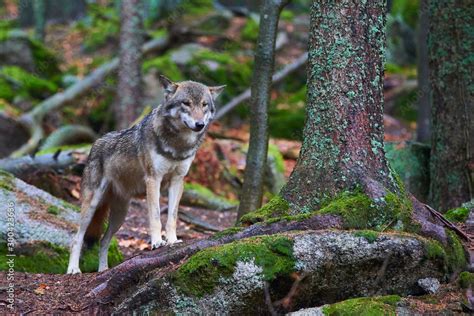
x: 277, y: 78
x: 447, y: 223
x: 198, y: 224
x: 25, y: 166
x: 32, y: 119
x: 69, y: 135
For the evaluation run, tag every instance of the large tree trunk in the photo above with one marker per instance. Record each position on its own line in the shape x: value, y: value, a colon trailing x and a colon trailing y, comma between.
x: 451, y: 65
x: 129, y: 92
x: 423, y: 128
x: 343, y: 134
x: 252, y: 190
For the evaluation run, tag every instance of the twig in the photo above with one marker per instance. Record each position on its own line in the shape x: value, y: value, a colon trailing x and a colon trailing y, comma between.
x: 447, y: 222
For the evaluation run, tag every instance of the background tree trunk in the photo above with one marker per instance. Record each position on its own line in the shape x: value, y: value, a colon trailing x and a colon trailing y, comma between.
x: 40, y: 19
x: 423, y: 130
x: 129, y: 92
x: 252, y: 190
x: 451, y: 64
x: 343, y: 134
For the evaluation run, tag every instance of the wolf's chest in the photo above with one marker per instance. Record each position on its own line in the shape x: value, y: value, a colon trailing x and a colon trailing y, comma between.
x: 165, y: 166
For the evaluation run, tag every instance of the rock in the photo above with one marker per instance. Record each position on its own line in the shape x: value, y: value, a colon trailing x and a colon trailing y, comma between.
x: 314, y: 311
x: 335, y: 265
x: 43, y: 228
x: 429, y: 285
x: 185, y: 53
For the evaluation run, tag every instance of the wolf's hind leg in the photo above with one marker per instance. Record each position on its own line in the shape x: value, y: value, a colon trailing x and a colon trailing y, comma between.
x: 89, y: 207
x: 175, y: 193
x: 117, y: 214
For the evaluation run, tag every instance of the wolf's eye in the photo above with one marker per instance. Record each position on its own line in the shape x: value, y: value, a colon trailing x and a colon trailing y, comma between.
x: 186, y: 103
x: 204, y: 104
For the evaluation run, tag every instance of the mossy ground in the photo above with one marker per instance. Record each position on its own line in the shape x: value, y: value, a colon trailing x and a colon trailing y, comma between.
x: 43, y: 257
x: 368, y: 306
x: 202, y: 272
x: 370, y: 235
x: 276, y: 208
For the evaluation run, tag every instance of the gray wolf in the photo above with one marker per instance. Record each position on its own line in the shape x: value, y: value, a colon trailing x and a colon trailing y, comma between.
x: 136, y: 161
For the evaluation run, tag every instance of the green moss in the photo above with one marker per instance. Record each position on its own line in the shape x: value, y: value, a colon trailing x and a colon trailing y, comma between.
x: 287, y: 15
x: 164, y: 65
x: 53, y: 210
x: 52, y: 150
x: 227, y: 232
x: 27, y: 84
x: 7, y: 181
x: 201, y: 273
x: 276, y: 208
x: 250, y: 31
x: 367, y: 306
x: 360, y: 212
x: 452, y: 254
x: 459, y: 214
x: 434, y: 250
x: 46, y: 63
x: 197, y: 193
x: 455, y: 254
x: 370, y: 235
x: 44, y: 257
x: 466, y: 280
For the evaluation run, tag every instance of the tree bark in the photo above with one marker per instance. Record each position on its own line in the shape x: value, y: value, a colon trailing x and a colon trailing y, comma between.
x: 343, y: 134
x: 252, y: 190
x: 451, y: 65
x: 423, y: 129
x: 129, y: 92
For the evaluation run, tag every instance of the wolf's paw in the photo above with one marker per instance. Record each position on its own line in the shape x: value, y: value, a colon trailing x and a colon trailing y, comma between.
x: 158, y: 244
x: 73, y: 270
x: 176, y: 241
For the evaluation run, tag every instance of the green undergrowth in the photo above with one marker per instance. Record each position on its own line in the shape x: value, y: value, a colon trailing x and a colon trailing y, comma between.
x: 203, y: 271
x: 44, y: 257
x: 368, y: 306
x: 7, y: 181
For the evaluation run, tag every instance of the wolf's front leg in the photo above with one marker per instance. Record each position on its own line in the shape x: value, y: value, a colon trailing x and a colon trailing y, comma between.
x: 153, y: 201
x: 175, y: 192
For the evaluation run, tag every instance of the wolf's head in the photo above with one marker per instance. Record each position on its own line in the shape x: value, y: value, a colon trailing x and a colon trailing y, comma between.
x: 189, y: 103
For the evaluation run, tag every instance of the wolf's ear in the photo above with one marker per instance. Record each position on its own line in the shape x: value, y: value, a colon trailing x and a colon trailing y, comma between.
x: 168, y: 85
x: 215, y: 91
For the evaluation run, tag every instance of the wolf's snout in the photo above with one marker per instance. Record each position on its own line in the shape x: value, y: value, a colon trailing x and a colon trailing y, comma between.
x: 199, y: 126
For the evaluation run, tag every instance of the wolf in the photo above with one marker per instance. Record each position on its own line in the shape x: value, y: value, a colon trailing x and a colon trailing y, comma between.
x: 137, y: 161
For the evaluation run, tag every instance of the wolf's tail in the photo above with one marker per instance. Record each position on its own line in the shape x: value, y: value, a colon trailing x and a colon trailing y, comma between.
x: 94, y: 231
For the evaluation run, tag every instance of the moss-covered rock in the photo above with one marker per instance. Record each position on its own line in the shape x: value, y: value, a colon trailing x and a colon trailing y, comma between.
x: 43, y: 228
x: 452, y: 256
x: 26, y: 84
x: 337, y: 265
x: 202, y: 272
x: 199, y: 195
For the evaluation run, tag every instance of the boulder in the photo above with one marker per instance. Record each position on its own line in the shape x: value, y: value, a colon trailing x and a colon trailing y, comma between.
x: 329, y: 266
x: 41, y: 228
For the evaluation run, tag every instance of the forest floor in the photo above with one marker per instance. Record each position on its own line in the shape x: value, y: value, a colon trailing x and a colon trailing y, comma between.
x: 56, y: 293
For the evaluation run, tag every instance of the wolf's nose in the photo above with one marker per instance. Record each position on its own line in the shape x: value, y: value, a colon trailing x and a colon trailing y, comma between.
x: 200, y: 125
